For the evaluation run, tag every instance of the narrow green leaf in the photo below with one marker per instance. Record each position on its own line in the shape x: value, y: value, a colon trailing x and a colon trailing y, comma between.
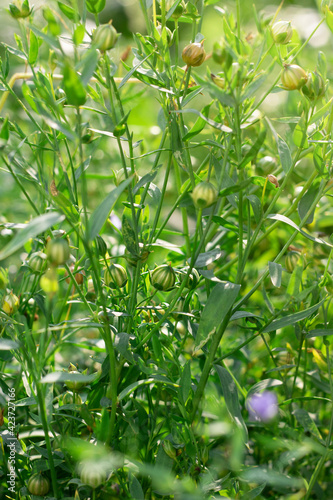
x: 230, y: 394
x: 299, y: 135
x: 283, y: 149
x: 256, y: 206
x: 79, y: 34
x: 219, y: 303
x: 305, y: 203
x: 275, y: 273
x: 305, y: 420
x: 152, y: 380
x: 128, y: 235
x: 4, y: 133
x: 212, y: 123
x: 7, y: 345
x: 285, y: 219
x: 199, y: 124
x: 264, y: 385
x: 54, y: 377
x: 253, y: 494
x: 185, y: 382
x: 101, y: 213
x: 33, y: 229
x: 73, y: 87
x: 235, y: 188
x: 252, y: 153
x: 291, y: 319
x: 206, y: 258
x: 136, y: 490
x: 72, y: 14
x: 319, y: 332
x: 33, y: 48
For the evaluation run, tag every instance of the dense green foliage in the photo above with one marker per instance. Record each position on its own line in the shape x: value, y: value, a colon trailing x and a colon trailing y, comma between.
x: 165, y: 252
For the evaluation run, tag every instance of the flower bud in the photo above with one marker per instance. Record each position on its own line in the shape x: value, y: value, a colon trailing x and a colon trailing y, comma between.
x: 194, y: 54
x: 101, y: 246
x: 220, y: 82
x: 314, y: 87
x: 169, y: 34
x: 78, y: 276
x: 163, y: 277
x: 36, y: 261
x: 18, y: 10
x: 105, y: 37
x: 10, y: 304
x: 204, y: 195
x: 75, y: 385
x: 291, y: 260
x: 282, y: 32
x: 57, y: 251
x: 179, y: 10
x: 293, y: 77
x: 273, y: 180
x: 115, y: 276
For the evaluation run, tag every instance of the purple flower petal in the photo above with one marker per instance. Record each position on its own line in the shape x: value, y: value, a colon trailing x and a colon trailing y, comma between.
x: 262, y: 406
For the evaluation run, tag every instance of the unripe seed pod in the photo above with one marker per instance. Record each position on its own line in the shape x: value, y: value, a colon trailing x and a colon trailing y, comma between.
x: 163, y: 277
x: 57, y: 251
x: 10, y: 304
x: 49, y: 282
x: 177, y: 13
x: 192, y: 280
x: 78, y: 276
x: 282, y: 32
x: 92, y: 476
x: 115, y: 276
x: 105, y: 37
x: 36, y: 261
x: 221, y: 55
x: 101, y: 245
x: 291, y: 260
x: 181, y: 328
x: 194, y: 54
x: 204, y: 195
x: 38, y: 485
x: 314, y: 87
x: 293, y: 77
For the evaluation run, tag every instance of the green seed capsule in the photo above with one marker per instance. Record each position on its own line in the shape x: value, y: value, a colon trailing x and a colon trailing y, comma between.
x: 192, y: 280
x: 105, y: 37
x: 115, y: 276
x: 314, y: 87
x: 291, y: 260
x: 57, y: 251
x: 204, y: 195
x: 163, y: 277
x: 282, y: 32
x: 38, y: 485
x: 293, y: 77
x: 92, y: 476
x: 36, y: 261
x: 18, y: 10
x: 194, y: 54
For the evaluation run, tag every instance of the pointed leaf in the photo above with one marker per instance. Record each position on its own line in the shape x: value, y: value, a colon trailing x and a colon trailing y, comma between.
x: 275, y: 273
x: 33, y: 229
x: 291, y: 319
x: 101, y: 213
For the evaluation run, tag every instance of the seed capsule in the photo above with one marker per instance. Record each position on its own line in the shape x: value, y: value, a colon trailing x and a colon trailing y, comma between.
x: 18, y: 11
x: 163, y: 277
x: 92, y: 476
x: 194, y: 54
x: 293, y: 77
x: 57, y: 251
x: 36, y: 261
x: 220, y: 82
x: 192, y: 280
x: 282, y: 32
x: 204, y: 195
x: 314, y: 87
x: 38, y: 485
x: 291, y: 260
x: 105, y: 37
x: 115, y: 276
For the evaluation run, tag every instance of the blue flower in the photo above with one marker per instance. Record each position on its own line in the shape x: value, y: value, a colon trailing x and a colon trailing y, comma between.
x: 262, y: 406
